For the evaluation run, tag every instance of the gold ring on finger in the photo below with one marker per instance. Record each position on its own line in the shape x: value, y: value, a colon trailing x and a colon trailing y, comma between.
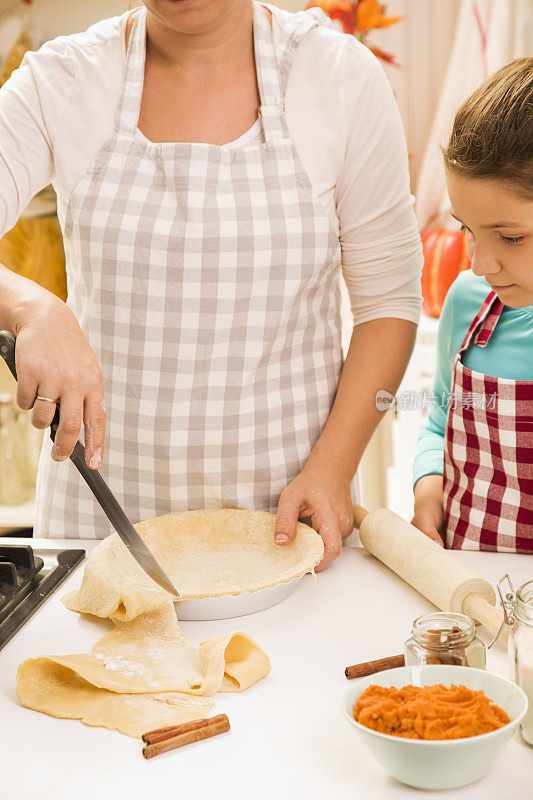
x: 46, y: 399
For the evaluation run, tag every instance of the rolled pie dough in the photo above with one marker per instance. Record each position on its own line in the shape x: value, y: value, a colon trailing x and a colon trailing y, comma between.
x: 144, y: 674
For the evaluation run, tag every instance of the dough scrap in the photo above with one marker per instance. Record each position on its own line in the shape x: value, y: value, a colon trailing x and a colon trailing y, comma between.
x: 144, y: 674
x: 151, y: 654
x: 141, y: 676
x: 45, y: 685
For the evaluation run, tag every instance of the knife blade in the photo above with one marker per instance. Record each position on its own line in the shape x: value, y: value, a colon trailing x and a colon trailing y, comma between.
x: 100, y: 490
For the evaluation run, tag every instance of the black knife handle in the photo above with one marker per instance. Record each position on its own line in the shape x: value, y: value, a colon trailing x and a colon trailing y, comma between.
x: 7, y: 351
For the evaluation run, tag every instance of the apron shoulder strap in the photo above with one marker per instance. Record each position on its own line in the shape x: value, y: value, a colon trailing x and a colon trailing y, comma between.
x: 484, y: 322
x: 292, y: 33
x: 274, y: 60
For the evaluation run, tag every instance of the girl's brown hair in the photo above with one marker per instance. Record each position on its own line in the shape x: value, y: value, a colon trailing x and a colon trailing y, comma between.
x: 492, y: 135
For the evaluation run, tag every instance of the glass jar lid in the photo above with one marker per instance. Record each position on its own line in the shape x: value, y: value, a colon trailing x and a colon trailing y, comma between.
x: 443, y: 630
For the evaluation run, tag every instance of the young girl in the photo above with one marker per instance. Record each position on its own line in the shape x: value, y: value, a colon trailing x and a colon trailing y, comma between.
x: 473, y: 471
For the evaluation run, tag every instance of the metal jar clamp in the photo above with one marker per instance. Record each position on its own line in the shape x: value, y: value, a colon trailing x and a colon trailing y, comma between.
x: 507, y: 601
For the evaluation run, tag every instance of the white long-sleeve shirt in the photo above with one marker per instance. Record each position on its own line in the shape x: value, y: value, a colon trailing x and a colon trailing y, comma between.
x: 58, y: 108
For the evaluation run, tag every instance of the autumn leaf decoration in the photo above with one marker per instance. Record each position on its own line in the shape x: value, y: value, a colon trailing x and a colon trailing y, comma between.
x: 358, y: 17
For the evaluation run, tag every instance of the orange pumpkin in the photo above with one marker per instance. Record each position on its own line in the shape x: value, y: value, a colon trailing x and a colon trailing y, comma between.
x: 445, y: 256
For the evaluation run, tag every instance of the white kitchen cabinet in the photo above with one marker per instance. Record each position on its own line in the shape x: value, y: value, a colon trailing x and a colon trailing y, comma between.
x: 407, y: 422
x: 17, y: 517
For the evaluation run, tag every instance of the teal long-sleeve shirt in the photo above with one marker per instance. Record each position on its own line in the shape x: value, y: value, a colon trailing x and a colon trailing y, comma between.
x: 508, y: 354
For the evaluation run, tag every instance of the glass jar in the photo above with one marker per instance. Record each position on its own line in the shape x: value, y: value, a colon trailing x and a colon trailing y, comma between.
x: 13, y: 487
x: 444, y: 638
x: 521, y: 651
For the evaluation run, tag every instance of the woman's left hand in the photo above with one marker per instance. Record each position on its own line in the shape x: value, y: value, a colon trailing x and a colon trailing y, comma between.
x: 316, y: 493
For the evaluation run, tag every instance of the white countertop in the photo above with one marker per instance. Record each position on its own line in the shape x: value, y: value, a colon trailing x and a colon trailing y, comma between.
x: 288, y: 738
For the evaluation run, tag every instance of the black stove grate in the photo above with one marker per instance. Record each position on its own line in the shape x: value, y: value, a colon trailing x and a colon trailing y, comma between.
x: 24, y: 585
x: 18, y: 568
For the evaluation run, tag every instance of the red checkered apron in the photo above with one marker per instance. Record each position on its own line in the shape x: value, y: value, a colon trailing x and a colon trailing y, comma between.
x: 488, y: 453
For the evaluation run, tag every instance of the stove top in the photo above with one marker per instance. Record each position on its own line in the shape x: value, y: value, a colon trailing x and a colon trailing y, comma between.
x: 27, y: 577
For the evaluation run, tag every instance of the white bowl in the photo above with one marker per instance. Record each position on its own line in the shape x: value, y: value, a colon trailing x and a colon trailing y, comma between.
x: 436, y: 764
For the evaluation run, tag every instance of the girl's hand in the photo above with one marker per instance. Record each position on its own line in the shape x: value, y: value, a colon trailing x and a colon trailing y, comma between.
x: 430, y: 520
x: 429, y: 508
x: 55, y: 360
x: 316, y: 493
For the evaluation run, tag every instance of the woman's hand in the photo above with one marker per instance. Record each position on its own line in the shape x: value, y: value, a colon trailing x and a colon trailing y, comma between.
x: 55, y: 360
x: 429, y: 508
x: 316, y: 493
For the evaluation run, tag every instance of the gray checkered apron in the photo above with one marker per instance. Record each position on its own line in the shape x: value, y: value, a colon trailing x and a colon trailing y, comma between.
x: 488, y: 453
x: 206, y: 279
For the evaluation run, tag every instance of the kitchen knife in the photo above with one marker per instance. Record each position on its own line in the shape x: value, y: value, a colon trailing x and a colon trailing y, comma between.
x: 100, y: 489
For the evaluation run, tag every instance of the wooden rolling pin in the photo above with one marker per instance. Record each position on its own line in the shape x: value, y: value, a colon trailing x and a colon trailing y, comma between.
x: 427, y: 567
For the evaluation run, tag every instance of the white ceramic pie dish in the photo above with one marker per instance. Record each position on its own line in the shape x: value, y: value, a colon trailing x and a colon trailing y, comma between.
x: 439, y: 764
x: 234, y: 605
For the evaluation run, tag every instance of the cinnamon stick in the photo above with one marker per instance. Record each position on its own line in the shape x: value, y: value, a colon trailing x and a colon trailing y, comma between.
x: 178, y: 739
x: 151, y: 737
x: 439, y: 636
x: 370, y: 667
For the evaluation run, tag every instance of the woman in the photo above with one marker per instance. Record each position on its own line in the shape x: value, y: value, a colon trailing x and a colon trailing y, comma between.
x: 212, y: 159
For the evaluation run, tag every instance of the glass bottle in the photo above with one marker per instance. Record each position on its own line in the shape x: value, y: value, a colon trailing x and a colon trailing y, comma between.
x: 32, y: 440
x: 444, y: 638
x: 521, y: 650
x: 13, y: 487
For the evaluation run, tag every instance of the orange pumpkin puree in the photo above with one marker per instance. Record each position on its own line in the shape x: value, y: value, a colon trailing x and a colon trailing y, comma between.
x: 428, y: 712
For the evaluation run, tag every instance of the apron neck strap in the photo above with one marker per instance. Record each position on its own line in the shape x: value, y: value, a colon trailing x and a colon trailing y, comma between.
x: 268, y: 76
x: 484, y: 322
x: 128, y: 109
x: 272, y: 77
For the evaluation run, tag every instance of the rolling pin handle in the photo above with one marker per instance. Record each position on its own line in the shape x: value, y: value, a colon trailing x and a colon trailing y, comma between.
x: 491, y: 617
x: 359, y: 513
